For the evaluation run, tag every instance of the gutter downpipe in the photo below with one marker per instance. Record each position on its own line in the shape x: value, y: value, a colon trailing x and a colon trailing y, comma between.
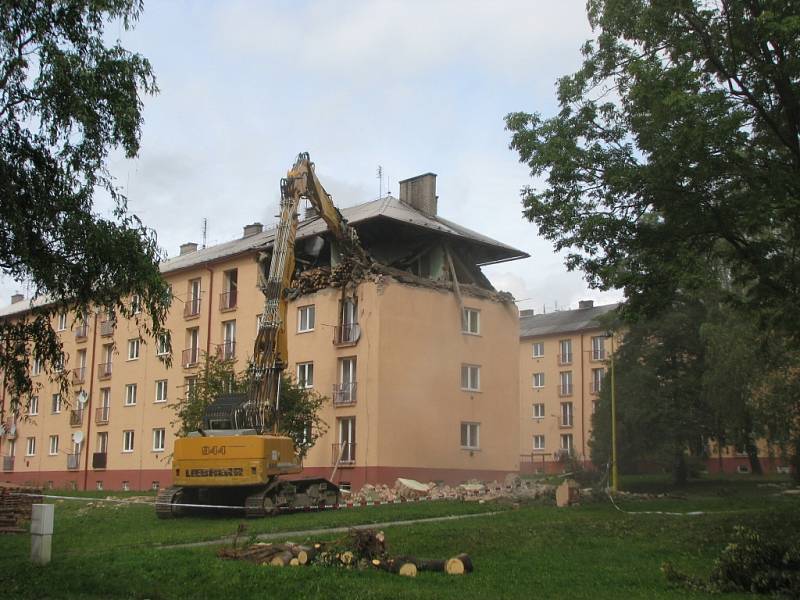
x: 89, y: 404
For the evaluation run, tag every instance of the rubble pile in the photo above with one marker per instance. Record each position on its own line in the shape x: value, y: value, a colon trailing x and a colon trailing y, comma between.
x: 408, y: 489
x: 15, y: 506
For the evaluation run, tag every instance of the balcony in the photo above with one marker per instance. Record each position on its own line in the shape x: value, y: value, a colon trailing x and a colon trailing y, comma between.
x: 565, y: 358
x: 343, y: 454
x: 227, y: 300
x: 226, y: 351
x: 190, y: 357
x: 101, y: 415
x: 81, y: 333
x: 106, y: 328
x: 78, y: 375
x: 99, y: 460
x: 73, y: 462
x: 192, y: 308
x: 76, y: 418
x: 8, y: 463
x: 344, y: 394
x: 104, y: 371
x: 347, y: 335
x: 565, y: 389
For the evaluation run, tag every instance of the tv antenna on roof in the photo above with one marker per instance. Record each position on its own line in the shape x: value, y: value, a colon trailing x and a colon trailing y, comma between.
x: 205, y: 231
x: 379, y: 175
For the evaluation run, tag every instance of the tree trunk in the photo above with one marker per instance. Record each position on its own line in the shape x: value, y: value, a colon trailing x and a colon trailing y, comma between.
x: 752, y: 456
x: 680, y: 471
x: 794, y: 461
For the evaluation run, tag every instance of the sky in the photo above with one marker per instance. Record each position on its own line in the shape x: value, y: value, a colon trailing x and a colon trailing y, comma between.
x: 412, y: 86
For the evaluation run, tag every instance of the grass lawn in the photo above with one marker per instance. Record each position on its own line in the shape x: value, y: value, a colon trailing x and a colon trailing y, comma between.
x: 536, y: 551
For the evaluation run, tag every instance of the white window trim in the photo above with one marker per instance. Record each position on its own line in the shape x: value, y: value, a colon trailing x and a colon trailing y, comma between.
x: 33, y: 406
x: 128, y: 387
x: 28, y: 446
x: 533, y: 349
x: 533, y: 381
x: 62, y: 322
x: 302, y: 381
x: 161, y: 345
x: 535, y: 439
x: 163, y: 439
x: 308, y: 309
x: 55, y: 408
x: 166, y: 391
x: 50, y: 451
x: 134, y: 344
x: 466, y: 321
x: 471, y: 444
x: 533, y: 411
x: 126, y: 438
x: 470, y: 387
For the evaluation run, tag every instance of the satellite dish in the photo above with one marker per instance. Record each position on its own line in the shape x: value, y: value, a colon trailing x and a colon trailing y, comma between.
x: 83, y: 397
x: 77, y: 437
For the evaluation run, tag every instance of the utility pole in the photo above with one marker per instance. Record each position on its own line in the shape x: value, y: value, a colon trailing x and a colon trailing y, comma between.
x: 614, y: 470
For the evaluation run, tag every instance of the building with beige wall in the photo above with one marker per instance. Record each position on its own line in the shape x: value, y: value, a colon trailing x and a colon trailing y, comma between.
x: 562, y: 364
x: 416, y: 358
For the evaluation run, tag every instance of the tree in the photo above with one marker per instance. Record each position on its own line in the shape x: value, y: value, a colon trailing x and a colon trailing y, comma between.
x: 677, y: 142
x: 67, y: 100
x: 299, y: 406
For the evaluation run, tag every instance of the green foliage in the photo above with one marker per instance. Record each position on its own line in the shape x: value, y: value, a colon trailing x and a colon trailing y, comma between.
x: 749, y: 563
x: 677, y: 143
x: 299, y: 406
x: 67, y: 100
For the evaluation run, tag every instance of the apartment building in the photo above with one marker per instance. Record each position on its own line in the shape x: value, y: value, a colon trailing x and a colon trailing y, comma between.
x: 562, y: 367
x: 416, y: 358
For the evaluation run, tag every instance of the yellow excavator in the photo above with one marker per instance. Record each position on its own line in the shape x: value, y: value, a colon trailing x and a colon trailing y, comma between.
x: 234, y: 461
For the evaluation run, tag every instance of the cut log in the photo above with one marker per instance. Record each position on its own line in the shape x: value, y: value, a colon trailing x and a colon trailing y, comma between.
x: 458, y: 565
x: 294, y: 562
x: 305, y: 555
x: 347, y: 558
x: 281, y: 559
x: 407, y: 569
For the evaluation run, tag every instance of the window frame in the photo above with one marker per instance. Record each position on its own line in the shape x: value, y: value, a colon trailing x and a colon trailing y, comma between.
x: 62, y: 322
x: 534, y: 347
x: 303, y: 381
x: 470, y: 443
x: 30, y: 446
x: 309, y: 313
x: 128, y: 441
x: 567, y: 414
x: 162, y: 347
x: 159, y: 434
x: 538, y: 447
x: 161, y: 384
x: 565, y: 358
x: 471, y: 386
x: 467, y: 321
x: 52, y: 446
x: 134, y: 346
x: 598, y: 354
x: 33, y: 406
x: 55, y: 404
x: 535, y: 406
x: 539, y: 375
x: 570, y: 447
x: 130, y: 398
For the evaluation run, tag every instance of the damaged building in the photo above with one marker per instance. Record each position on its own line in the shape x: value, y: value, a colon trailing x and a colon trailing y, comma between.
x: 416, y: 352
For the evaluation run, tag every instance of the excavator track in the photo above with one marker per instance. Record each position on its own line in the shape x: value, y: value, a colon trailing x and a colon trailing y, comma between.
x: 260, y: 504
x: 165, y: 501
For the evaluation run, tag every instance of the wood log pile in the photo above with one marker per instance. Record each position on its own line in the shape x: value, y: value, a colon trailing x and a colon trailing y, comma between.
x: 359, y: 549
x: 15, y: 506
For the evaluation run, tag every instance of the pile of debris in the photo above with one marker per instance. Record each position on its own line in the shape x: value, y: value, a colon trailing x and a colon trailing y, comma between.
x: 16, y: 505
x: 359, y: 549
x: 473, y: 490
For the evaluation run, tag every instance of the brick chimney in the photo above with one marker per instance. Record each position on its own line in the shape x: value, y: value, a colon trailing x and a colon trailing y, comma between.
x: 188, y: 248
x: 252, y: 229
x: 585, y: 304
x: 17, y: 298
x: 420, y: 193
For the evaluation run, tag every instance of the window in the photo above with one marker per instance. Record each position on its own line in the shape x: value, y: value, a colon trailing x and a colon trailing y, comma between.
x: 193, y: 300
x: 55, y: 404
x: 565, y: 383
x: 598, y: 348
x: 566, y: 442
x: 190, y: 383
x: 538, y: 349
x: 98, y: 485
x: 130, y: 394
x: 37, y: 366
x: 538, y: 380
x: 230, y: 285
x: 470, y: 435
x: 102, y: 442
x: 305, y: 374
x: 228, y: 350
x: 191, y: 356
x: 162, y: 346
x: 136, y: 304
x: 597, y: 380
x: 58, y: 365
x: 53, y: 445
x: 305, y: 318
x: 161, y: 390
x: 344, y: 393
x: 127, y: 440
x: 126, y: 486
x: 348, y: 330
x: 62, y: 321
x: 471, y: 321
x: 81, y: 360
x: 564, y: 352
x: 470, y: 378
x: 30, y: 446
x: 538, y: 411
x: 347, y: 439
x: 595, y: 404
x: 133, y: 349
x: 105, y: 397
x: 158, y: 440
x: 33, y: 406
x: 566, y: 414
x: 538, y: 442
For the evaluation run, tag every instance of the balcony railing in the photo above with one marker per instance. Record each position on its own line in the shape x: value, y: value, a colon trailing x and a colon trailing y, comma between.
x: 190, y: 357
x: 227, y: 300
x: 81, y: 333
x: 192, y: 307
x: 343, y: 453
x: 78, y: 375
x: 101, y: 414
x: 73, y: 462
x: 598, y: 353
x: 104, y: 370
x: 347, y: 335
x: 226, y: 350
x: 595, y: 387
x: 565, y: 358
x: 565, y: 421
x: 76, y: 418
x: 565, y: 389
x: 344, y: 394
x: 106, y: 328
x: 99, y: 460
x: 8, y: 463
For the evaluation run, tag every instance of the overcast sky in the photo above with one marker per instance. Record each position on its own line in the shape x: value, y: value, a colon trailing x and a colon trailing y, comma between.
x: 411, y: 86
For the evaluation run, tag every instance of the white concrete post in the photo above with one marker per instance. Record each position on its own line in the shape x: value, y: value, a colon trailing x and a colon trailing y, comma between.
x: 42, y: 516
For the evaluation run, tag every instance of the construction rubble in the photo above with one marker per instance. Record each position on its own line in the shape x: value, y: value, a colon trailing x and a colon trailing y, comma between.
x: 476, y: 491
x: 15, y: 506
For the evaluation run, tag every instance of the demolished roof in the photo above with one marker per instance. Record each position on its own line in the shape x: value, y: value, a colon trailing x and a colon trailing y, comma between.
x: 565, y: 321
x: 488, y: 250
